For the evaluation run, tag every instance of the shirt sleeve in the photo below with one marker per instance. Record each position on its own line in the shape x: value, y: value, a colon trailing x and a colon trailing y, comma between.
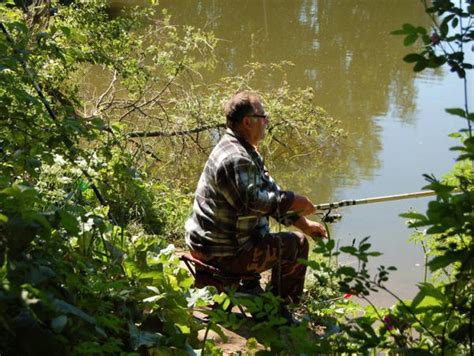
x: 246, y: 190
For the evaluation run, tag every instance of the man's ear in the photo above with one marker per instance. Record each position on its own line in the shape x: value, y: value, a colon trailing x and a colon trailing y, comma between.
x: 246, y: 121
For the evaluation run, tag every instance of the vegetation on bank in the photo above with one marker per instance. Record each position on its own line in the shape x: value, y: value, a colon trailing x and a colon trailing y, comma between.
x: 87, y: 213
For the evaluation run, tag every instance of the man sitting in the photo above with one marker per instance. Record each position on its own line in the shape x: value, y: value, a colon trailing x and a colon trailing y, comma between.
x: 235, y: 196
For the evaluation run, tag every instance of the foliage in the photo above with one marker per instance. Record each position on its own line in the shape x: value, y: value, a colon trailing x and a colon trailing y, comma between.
x: 79, y: 272
x: 444, y: 306
x: 85, y: 220
x: 85, y: 224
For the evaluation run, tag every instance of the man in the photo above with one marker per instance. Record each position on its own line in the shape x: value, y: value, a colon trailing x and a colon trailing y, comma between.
x: 235, y: 196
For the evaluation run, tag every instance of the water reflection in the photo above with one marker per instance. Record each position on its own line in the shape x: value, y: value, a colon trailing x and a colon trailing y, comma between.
x: 343, y: 49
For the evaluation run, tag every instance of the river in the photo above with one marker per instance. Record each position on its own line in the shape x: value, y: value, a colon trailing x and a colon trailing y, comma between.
x: 395, y: 120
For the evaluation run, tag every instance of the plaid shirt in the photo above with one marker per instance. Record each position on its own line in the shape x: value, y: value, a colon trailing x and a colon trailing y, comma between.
x: 234, y: 197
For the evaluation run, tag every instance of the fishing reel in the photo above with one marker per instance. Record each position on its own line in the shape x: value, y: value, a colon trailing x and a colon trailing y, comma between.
x: 330, y: 217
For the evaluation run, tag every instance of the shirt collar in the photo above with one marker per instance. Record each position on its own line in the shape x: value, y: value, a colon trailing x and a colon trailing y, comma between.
x: 242, y: 140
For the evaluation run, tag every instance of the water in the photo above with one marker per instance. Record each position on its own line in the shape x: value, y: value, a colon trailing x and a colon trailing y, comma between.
x: 397, y: 128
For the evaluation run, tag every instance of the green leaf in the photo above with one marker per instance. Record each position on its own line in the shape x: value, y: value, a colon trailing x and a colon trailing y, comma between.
x: 455, y: 22
x: 368, y: 329
x: 421, y: 30
x: 349, y: 249
x: 436, y: 229
x: 409, y: 28
x: 346, y: 270
x: 3, y: 218
x: 69, y: 222
x: 66, y: 30
x: 458, y: 148
x: 445, y: 260
x: 199, y: 298
x: 226, y: 304
x: 410, y: 39
x: 444, y: 28
x: 37, y: 217
x: 428, y: 303
x: 433, y: 291
x: 364, y: 247
x: 409, y: 351
x: 420, y: 65
x: 413, y: 215
x: 455, y: 134
x: 436, y: 61
x: 58, y: 324
x: 375, y: 254
x: 456, y: 111
x: 364, y: 240
x: 140, y: 338
x: 67, y: 308
x: 398, y: 32
x: 330, y: 244
x: 311, y: 264
x: 20, y: 26
x: 412, y: 57
x: 418, y: 298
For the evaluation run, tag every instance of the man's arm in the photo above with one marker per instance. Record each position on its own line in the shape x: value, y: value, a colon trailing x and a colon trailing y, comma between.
x: 241, y: 184
x: 311, y: 228
x: 302, y: 206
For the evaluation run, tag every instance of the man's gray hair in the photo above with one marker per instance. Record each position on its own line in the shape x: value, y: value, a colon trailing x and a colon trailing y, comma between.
x: 239, y: 106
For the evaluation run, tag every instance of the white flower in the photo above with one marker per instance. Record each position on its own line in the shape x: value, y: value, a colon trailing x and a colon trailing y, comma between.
x: 59, y: 160
x: 64, y: 180
x: 87, y: 226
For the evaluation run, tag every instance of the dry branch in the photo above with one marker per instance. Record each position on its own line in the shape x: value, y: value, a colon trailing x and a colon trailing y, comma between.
x: 173, y: 133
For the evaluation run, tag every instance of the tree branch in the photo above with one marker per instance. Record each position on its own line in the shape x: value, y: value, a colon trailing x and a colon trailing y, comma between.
x: 134, y: 106
x: 174, y: 133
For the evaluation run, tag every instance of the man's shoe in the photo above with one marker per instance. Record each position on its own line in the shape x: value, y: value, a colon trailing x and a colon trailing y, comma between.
x: 251, y: 287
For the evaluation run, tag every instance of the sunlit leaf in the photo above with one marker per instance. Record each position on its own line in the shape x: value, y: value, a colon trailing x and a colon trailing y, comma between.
x: 456, y: 111
x: 413, y: 215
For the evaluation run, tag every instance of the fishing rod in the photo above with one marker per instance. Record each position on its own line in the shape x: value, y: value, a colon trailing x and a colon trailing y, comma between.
x: 330, y: 217
x: 342, y: 203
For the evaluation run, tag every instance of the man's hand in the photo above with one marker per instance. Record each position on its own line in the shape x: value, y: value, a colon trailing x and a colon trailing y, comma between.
x: 302, y: 206
x: 316, y: 230
x: 311, y: 228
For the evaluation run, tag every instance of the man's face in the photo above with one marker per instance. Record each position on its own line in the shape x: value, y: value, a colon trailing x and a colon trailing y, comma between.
x: 258, y: 123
